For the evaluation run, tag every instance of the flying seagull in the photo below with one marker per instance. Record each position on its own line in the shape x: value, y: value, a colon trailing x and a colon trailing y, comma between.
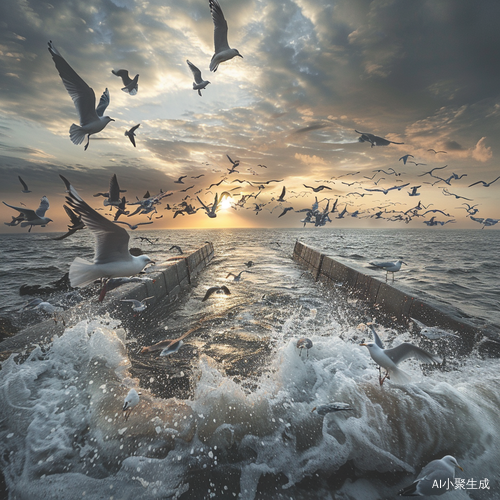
x: 317, y: 189
x: 222, y: 50
x: 485, y: 184
x: 76, y: 223
x: 25, y: 186
x: 32, y: 217
x: 179, y: 180
x: 112, y: 257
x: 131, y: 86
x: 216, y: 289
x: 390, y: 358
x: 92, y: 120
x: 211, y: 212
x: 374, y: 140
x: 199, y: 84
x: 433, y: 479
x: 405, y: 158
x: 436, y: 152
x: 131, y: 135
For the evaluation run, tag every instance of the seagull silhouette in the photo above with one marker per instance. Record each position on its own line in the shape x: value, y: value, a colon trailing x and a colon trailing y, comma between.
x: 485, y: 184
x: 131, y: 86
x: 25, y: 186
x: 131, y: 135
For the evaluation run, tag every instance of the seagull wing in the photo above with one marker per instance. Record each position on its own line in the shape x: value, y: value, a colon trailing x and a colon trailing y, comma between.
x: 210, y: 292
x: 103, y: 103
x: 133, y: 129
x: 407, y: 350
x: 44, y: 206
x: 123, y: 74
x: 220, y: 27
x: 75, y: 219
x: 111, y: 241
x: 114, y: 189
x: 132, y: 138
x: 25, y: 185
x: 83, y: 96
x: 376, y: 338
x: 196, y: 72
x: 26, y: 212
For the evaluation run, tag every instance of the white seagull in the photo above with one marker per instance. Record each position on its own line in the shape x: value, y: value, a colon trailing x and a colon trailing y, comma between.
x: 434, y: 478
x: 389, y: 267
x: 138, y: 305
x: 33, y: 217
x: 390, y: 358
x: 112, y: 257
x: 131, y: 401
x: 222, y: 50
x: 92, y: 120
x: 199, y: 84
x: 131, y: 86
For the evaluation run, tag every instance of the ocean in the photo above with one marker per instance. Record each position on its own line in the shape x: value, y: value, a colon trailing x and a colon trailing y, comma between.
x: 230, y: 415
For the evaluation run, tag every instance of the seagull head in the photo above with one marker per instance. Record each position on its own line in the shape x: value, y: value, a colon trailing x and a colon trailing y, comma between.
x: 236, y: 53
x: 452, y: 460
x: 107, y: 119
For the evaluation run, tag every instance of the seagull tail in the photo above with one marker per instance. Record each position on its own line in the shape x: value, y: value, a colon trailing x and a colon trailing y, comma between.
x: 82, y: 273
x: 399, y: 376
x: 409, y: 491
x: 76, y: 134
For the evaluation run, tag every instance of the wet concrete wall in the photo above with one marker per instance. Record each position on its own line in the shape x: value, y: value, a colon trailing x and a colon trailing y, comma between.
x: 399, y: 304
x: 164, y: 286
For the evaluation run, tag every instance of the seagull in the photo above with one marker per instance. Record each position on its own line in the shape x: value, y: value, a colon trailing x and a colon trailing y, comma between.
x: 432, y: 332
x: 485, y: 184
x: 76, y: 223
x: 179, y: 180
x: 131, y: 86
x: 389, y: 267
x: 436, y: 152
x: 434, y: 478
x: 92, y: 120
x: 131, y: 401
x: 216, y: 289
x: 32, y: 217
x: 131, y: 135
x: 211, y: 212
x: 113, y: 193
x: 133, y: 227
x: 25, y: 186
x: 287, y: 209
x: 385, y: 191
x: 222, y: 50
x: 112, y: 257
x: 176, y: 247
x: 447, y: 193
x: 168, y: 346
x: 282, y: 195
x: 317, y: 189
x: 390, y: 358
x: 405, y: 158
x: 331, y: 408
x: 304, y: 343
x: 237, y: 277
x: 199, y: 84
x: 374, y: 140
x: 413, y: 191
x: 138, y: 305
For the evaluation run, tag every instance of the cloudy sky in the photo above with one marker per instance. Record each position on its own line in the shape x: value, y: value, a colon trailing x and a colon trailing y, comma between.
x: 424, y: 73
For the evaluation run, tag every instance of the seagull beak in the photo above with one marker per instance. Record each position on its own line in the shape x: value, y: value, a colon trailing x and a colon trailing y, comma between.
x: 313, y: 409
x: 366, y: 345
x: 460, y: 468
x: 111, y: 120
x: 240, y: 55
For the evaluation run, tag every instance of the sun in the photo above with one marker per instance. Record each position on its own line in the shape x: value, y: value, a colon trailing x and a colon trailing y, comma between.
x: 226, y: 202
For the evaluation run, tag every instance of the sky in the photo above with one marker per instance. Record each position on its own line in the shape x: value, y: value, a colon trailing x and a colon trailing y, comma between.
x: 424, y: 73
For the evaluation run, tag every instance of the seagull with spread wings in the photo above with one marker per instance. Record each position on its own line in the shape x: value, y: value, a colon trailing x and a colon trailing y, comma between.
x: 32, y: 217
x: 131, y: 134
x: 222, y: 50
x: 112, y: 257
x: 92, y: 120
x: 199, y: 84
x: 25, y: 186
x: 131, y: 86
x: 485, y: 184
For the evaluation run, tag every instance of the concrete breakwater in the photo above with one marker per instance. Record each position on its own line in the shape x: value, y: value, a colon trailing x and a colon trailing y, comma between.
x: 395, y: 302
x: 164, y: 286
